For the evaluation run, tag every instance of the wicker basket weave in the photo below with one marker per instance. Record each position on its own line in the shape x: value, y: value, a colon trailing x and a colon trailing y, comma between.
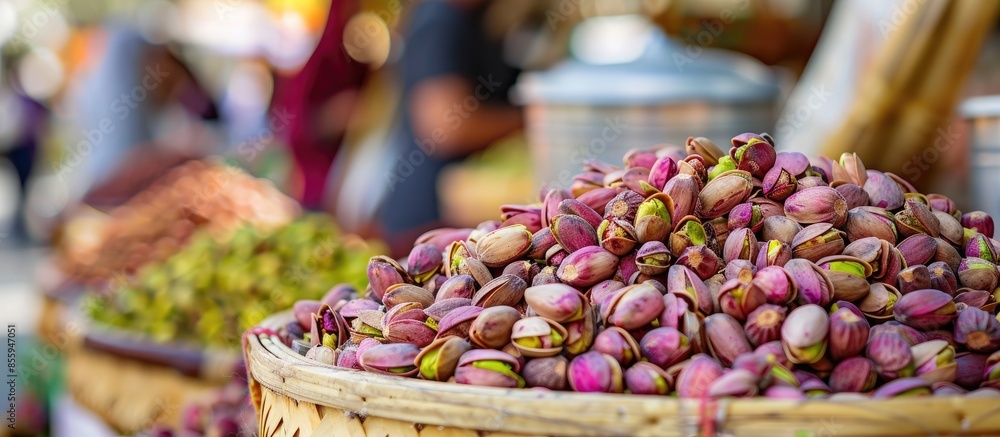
x: 133, y: 385
x: 299, y: 397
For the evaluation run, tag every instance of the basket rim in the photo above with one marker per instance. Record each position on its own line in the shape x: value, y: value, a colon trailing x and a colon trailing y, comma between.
x: 275, y: 366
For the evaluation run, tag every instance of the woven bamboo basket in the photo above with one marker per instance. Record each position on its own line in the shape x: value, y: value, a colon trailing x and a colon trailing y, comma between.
x: 299, y: 397
x: 133, y: 384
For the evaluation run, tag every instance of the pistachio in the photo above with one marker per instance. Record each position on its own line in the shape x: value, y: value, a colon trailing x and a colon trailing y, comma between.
x: 738, y: 298
x: 547, y: 372
x: 883, y: 191
x: 848, y: 333
x: 458, y: 322
x: 934, y: 361
x: 538, y: 336
x: 688, y: 232
x: 904, y: 387
x: 550, y: 205
x: 323, y: 354
x: 458, y: 286
x: 854, y: 195
x: 763, y: 324
x: 541, y: 242
x: 580, y: 333
x: 916, y: 218
x: 775, y: 284
x: 664, y: 347
x: 817, y: 205
x: 558, y: 302
x: 653, y: 219
x: 632, y: 307
x: 891, y: 355
x: 697, y: 376
x: 804, y: 334
x: 492, y: 327
x: 647, y: 379
x: 784, y: 392
x: 978, y: 221
x: 741, y: 244
x: 951, y: 229
x: 817, y: 241
x: 423, y: 262
x: 773, y: 253
x: 617, y: 236
x: 603, y: 290
x: 587, y: 267
x: 779, y: 228
x: 865, y: 222
x: 597, y: 199
x: 699, y: 259
x: 979, y: 246
x: 684, y: 283
x: 503, y: 290
x: 914, y: 278
x: 384, y: 272
x: 390, y: 359
x: 442, y: 307
x: 705, y: 148
x: 755, y: 156
x: 487, y: 367
x: 917, y: 249
x: 849, y: 276
x: 925, y: 309
x: 723, y: 192
x: 977, y: 273
x: 942, y: 203
x: 978, y: 331
x: 683, y: 190
x: 725, y: 338
x: 573, y: 232
x: 778, y: 184
x: 437, y: 361
x: 619, y: 344
x: 595, y: 372
x: 878, y: 304
x: 304, y: 310
x: 853, y: 375
x: 580, y: 209
x: 403, y: 293
x: 500, y: 247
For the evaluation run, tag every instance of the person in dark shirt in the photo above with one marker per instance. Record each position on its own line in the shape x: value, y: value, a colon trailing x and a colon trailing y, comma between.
x: 455, y: 102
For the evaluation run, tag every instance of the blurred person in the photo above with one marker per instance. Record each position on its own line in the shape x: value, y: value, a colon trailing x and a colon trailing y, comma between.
x: 455, y: 86
x: 139, y: 112
x: 21, y: 130
x: 314, y: 105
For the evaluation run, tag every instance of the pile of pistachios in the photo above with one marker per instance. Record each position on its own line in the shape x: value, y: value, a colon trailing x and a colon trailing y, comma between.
x: 210, y: 292
x: 691, y: 271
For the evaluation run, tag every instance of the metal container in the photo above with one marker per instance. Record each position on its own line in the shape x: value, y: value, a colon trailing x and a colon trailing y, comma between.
x: 983, y: 115
x: 580, y: 110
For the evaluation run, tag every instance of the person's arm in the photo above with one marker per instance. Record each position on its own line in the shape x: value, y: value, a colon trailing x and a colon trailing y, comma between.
x: 453, y: 115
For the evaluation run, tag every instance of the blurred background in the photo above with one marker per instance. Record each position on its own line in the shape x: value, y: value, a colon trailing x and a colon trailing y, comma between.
x: 399, y: 116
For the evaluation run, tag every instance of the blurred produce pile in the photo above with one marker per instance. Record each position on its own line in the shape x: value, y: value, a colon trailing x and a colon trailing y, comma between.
x: 156, y: 223
x: 210, y: 291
